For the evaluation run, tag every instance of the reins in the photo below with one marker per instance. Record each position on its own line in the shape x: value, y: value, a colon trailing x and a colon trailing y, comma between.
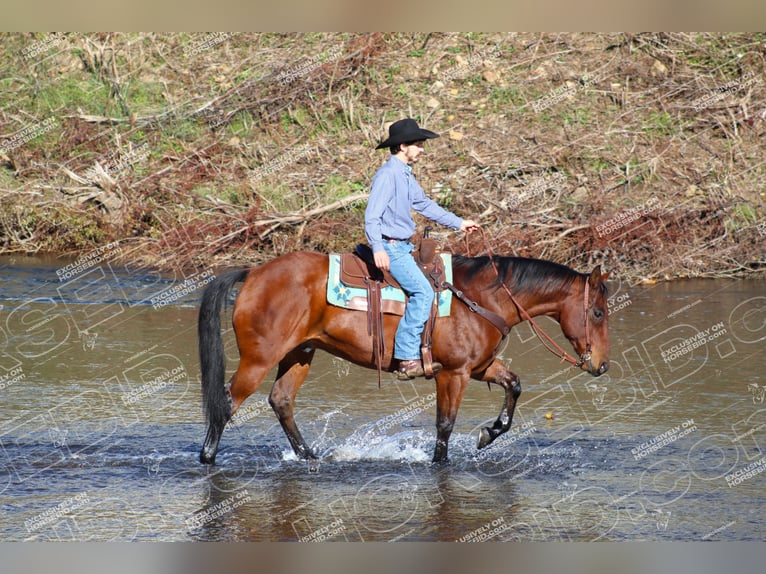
x: 544, y: 338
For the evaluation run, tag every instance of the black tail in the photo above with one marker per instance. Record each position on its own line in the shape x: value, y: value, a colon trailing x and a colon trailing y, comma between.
x: 215, y: 401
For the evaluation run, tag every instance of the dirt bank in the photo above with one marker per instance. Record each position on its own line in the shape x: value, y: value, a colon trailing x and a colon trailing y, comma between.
x: 642, y: 152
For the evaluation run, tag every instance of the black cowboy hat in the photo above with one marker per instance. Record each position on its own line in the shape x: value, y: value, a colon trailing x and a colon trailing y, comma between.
x: 405, y: 131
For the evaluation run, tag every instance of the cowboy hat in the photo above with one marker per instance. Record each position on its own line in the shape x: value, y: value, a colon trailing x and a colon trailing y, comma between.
x: 404, y: 131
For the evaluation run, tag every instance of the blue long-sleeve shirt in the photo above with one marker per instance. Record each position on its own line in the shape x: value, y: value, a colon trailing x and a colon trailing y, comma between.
x: 393, y: 194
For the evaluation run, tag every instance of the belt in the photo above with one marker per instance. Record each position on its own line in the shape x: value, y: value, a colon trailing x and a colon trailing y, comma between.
x: 393, y: 239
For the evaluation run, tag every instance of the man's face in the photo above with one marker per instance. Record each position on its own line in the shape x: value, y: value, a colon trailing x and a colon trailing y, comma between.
x: 413, y: 150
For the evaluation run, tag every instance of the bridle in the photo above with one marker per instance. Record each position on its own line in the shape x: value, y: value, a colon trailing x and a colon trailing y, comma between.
x: 544, y: 338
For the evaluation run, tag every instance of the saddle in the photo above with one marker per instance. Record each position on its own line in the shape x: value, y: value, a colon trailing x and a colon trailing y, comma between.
x: 358, y: 269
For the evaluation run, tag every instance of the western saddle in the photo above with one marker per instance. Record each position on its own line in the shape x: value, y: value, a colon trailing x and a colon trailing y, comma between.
x: 358, y: 269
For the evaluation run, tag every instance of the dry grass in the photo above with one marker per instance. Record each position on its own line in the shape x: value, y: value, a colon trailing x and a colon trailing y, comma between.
x: 264, y: 143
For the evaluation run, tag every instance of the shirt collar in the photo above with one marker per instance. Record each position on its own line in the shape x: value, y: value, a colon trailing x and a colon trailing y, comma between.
x: 405, y: 167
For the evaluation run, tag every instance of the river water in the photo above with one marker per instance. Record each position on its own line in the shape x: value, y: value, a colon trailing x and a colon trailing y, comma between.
x: 101, y: 426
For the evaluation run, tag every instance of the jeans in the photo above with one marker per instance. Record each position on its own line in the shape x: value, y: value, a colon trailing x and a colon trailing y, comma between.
x: 421, y: 296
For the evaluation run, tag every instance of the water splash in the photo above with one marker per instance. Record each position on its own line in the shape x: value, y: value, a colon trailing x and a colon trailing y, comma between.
x: 407, y: 446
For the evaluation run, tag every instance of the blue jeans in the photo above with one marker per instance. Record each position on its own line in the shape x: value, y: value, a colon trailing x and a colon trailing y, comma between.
x: 421, y: 296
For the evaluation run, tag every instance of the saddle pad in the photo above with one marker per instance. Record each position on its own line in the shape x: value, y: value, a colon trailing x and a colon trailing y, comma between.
x: 393, y: 299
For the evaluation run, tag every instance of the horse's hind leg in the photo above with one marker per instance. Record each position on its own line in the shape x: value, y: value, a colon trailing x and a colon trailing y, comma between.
x: 244, y: 383
x: 500, y: 375
x: 293, y: 370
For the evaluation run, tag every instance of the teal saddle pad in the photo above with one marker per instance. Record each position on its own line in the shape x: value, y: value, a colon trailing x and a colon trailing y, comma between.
x: 342, y: 295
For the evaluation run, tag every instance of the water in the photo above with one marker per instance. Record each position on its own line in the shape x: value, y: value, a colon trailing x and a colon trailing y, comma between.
x: 101, y: 426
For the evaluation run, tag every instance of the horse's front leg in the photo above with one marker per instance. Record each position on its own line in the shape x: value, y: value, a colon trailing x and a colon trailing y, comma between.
x: 500, y: 375
x: 450, y: 386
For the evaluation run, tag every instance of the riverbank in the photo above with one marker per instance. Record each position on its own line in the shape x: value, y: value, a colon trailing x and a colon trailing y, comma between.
x: 641, y: 152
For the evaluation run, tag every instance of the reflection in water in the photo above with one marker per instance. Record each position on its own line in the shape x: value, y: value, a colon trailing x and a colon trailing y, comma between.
x: 101, y: 406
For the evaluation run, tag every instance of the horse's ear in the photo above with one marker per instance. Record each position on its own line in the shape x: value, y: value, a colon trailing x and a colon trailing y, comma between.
x: 605, y: 276
x: 595, y: 277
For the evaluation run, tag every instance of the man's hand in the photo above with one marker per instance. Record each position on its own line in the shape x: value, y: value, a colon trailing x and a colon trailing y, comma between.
x: 469, y: 225
x: 381, y: 260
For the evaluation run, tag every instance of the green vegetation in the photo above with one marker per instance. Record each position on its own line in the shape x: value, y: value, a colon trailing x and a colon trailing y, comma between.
x: 237, y: 154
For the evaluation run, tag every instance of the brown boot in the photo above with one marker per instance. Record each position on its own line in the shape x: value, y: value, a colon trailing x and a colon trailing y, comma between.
x: 409, y: 370
x: 413, y: 368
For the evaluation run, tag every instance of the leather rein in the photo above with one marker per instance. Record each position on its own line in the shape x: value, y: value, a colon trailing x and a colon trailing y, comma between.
x: 502, y: 326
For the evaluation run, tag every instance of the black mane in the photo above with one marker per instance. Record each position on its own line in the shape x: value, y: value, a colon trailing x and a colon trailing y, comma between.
x: 520, y: 273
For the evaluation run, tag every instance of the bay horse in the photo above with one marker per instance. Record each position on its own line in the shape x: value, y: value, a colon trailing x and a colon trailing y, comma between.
x: 281, y: 316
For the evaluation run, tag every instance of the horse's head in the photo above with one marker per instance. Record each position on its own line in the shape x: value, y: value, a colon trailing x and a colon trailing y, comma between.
x: 584, y: 321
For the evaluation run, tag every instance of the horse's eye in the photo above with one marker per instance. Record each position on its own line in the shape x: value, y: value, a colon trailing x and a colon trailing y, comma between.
x: 598, y: 313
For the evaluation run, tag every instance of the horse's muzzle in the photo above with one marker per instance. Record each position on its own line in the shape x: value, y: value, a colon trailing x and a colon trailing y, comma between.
x: 591, y: 368
x: 603, y: 368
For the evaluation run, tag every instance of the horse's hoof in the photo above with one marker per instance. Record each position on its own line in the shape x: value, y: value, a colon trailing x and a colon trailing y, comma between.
x: 484, y: 438
x: 206, y: 458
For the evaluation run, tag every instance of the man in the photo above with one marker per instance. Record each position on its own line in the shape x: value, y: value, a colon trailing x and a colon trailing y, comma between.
x: 388, y: 225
